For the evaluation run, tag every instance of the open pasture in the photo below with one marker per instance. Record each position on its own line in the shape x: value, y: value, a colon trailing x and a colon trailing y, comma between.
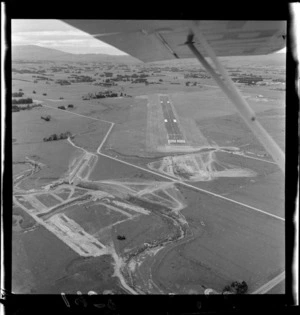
x: 55, y: 157
x: 107, y: 168
x: 232, y: 131
x: 214, y: 103
x: 38, y: 259
x: 20, y: 168
x: 47, y: 199
x: 93, y: 274
x: 142, y: 229
x: 63, y: 193
x: 28, y: 127
x: 229, y: 243
x: 27, y: 221
x: 93, y: 217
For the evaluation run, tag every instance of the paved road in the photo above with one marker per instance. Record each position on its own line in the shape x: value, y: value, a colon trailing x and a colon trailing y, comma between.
x: 270, y: 285
x: 171, y: 123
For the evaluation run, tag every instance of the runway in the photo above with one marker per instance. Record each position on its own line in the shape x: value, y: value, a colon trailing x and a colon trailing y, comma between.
x: 174, y: 133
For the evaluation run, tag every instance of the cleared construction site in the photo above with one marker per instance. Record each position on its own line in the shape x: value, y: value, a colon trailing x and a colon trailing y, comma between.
x: 83, y: 214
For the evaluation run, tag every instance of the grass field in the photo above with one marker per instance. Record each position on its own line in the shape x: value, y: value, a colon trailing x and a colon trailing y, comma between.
x: 128, y: 137
x: 48, y: 200
x: 63, y: 195
x: 77, y: 193
x: 231, y: 130
x: 55, y: 156
x: 264, y: 191
x: 44, y: 259
x: 109, y: 169
x: 27, y: 221
x: 91, y: 139
x: 231, y: 243
x: 140, y: 230
x: 28, y: 127
x: 95, y: 274
x: 93, y: 217
x: 24, y: 202
x: 19, y: 168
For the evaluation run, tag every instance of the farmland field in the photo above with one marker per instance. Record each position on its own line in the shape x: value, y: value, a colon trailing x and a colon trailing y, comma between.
x: 92, y: 217
x: 48, y: 200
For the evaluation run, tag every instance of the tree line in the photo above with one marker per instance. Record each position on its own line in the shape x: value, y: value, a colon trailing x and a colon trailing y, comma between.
x: 55, y: 137
x: 236, y: 288
x: 22, y: 101
x: 16, y: 108
x: 17, y: 94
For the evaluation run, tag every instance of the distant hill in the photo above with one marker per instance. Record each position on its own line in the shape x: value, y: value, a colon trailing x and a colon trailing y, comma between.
x: 271, y: 60
x: 38, y: 53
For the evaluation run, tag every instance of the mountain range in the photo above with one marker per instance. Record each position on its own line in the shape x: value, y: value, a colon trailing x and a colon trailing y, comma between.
x: 38, y: 53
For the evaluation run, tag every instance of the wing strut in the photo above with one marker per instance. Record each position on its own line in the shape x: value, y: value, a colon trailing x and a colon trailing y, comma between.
x: 225, y: 83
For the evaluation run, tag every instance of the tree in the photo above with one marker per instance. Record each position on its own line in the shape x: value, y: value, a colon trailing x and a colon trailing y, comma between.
x: 46, y: 118
x: 242, y: 288
x: 15, y: 108
x: 227, y: 288
x: 22, y: 101
x: 236, y: 287
x: 17, y: 94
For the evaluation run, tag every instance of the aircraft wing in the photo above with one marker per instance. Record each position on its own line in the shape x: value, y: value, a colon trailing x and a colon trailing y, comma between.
x: 155, y: 40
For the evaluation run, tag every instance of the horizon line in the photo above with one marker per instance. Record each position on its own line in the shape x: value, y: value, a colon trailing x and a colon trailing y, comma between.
x: 125, y: 54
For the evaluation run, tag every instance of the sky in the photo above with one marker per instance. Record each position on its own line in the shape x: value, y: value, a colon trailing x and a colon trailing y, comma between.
x: 59, y: 35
